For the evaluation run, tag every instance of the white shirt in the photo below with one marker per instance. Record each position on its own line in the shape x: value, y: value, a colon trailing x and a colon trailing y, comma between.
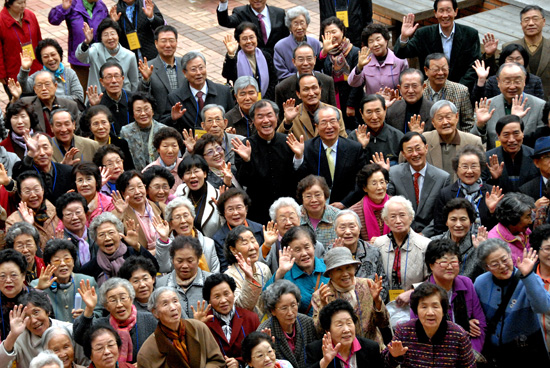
x: 420, y: 180
x: 298, y: 162
x: 224, y: 6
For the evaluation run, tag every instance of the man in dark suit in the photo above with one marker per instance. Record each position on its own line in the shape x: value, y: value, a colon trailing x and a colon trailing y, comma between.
x: 304, y: 60
x: 535, y: 188
x: 163, y: 74
x: 328, y: 155
x: 270, y: 21
x: 458, y: 42
x: 186, y: 103
x: 418, y: 181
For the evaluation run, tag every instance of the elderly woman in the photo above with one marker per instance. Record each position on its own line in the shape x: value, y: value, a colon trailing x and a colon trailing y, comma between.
x: 46, y: 359
x: 177, y: 342
x: 111, y: 157
x: 131, y: 203
x: 142, y: 274
x: 117, y: 297
x: 259, y: 351
x: 194, y: 171
x: 313, y: 191
x: 431, y: 337
x: 168, y: 143
x: 297, y: 20
x: 540, y: 242
x: 186, y: 278
x: 103, y: 346
x: 402, y: 248
x: 180, y: 219
x: 88, y: 181
x: 374, y: 179
x: 340, y: 346
x: 246, y: 94
x: 377, y: 66
x: 159, y: 182
x: 24, y: 238
x: 242, y: 254
x: 363, y: 294
x: 297, y: 263
x: 233, y: 207
x: 20, y: 118
x: 293, y: 331
x: 514, y: 214
x: 244, y: 58
x: 229, y: 324
x: 96, y: 54
x: 59, y: 340
x: 34, y: 208
x: 220, y: 172
x: 107, y: 231
x: 50, y: 54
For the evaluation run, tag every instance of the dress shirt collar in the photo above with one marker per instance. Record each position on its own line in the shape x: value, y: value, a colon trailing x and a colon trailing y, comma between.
x: 204, y: 90
x: 264, y: 12
x: 422, y: 172
x: 443, y: 34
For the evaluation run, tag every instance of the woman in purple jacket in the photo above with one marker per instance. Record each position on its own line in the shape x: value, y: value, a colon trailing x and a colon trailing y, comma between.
x: 75, y: 13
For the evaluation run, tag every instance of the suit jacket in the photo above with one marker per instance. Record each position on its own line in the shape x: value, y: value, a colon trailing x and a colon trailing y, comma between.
x: 158, y: 210
x: 532, y: 120
x: 465, y: 50
x: 368, y: 356
x: 434, y: 156
x: 210, y: 221
x: 350, y: 158
x: 401, y: 183
x: 65, y: 103
x: 528, y: 170
x: 242, y: 123
x: 86, y: 146
x: 217, y: 94
x: 159, y: 85
x: 302, y: 125
x: 534, y: 188
x: 245, y: 14
x: 287, y: 89
x: 396, y: 115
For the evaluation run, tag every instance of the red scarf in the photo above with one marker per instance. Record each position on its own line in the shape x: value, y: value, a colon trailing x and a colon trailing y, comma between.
x: 371, y: 222
x: 123, y: 328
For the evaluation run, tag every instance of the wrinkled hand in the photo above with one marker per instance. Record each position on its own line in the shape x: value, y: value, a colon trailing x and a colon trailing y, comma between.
x: 362, y: 136
x: 296, y: 146
x: 132, y: 237
x: 325, y: 293
x: 286, y: 261
x: 481, y: 71
x: 231, y: 130
x: 378, y: 158
x: 525, y: 265
x: 121, y: 204
x: 408, y: 27
x: 518, y: 106
x: 227, y: 174
x: 390, y: 95
x: 162, y: 228
x: 376, y: 287
x: 94, y: 98
x: 77, y: 312
x: 231, y: 45
x: 26, y: 59
x: 243, y: 150
x: 329, y: 42
x: 69, y: 158
x: 475, y: 330
x: 189, y: 140
x: 290, y: 110
x: 365, y: 57
x: 106, y: 174
x: 88, y: 33
x: 490, y: 45
x: 416, y: 124
x: 271, y: 234
x: 201, y: 313
x: 26, y: 212
x: 404, y: 298
x: 88, y: 294
x: 492, y: 199
x: 480, y: 237
x: 177, y: 111
x: 145, y: 70
x: 15, y: 88
x: 148, y: 9
x: 494, y: 167
x: 483, y: 112
x: 46, y: 278
x: 113, y: 14
x: 339, y: 242
x: 18, y: 320
x: 329, y: 351
x: 245, y: 265
x: 541, y: 202
x: 31, y: 142
x: 397, y: 349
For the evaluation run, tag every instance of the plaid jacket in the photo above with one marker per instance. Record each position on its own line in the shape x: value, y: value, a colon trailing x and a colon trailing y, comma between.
x: 459, y: 95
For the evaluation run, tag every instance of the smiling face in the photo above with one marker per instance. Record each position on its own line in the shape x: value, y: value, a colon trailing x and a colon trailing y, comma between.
x: 109, y: 38
x: 532, y: 23
x: 32, y: 193
x: 342, y: 329
x: 119, y: 303
x: 265, y: 121
x: 63, y: 127
x: 515, y: 57
x: 113, y: 161
x: 544, y: 253
x: 347, y: 228
x: 445, y: 14
x: 62, y: 346
x: 104, y: 350
x: 107, y: 238
x: 112, y: 81
x: 43, y: 157
x: 469, y: 169
x: 20, y: 122
x: 222, y: 298
x: 166, y: 44
x: 100, y: 126
x: 335, y: 32
x: 247, y: 246
x: 445, y: 269
x: 298, y: 27
x: 214, y: 154
x: 39, y: 320
x: 246, y: 97
x: 445, y: 122
x: 158, y: 190
x: 523, y: 224
x: 343, y: 276
x: 235, y: 211
x: 25, y: 245
x: 430, y: 313
x: 314, y: 200
x: 143, y: 113
x: 258, y: 5
x: 50, y: 58
x: 86, y: 185
x: 415, y: 151
x: 74, y: 217
x: 64, y: 262
x: 500, y: 264
x: 303, y: 251
x: 262, y: 356
x: 398, y: 219
x: 310, y: 91
x: 45, y: 86
x: 286, y: 311
x: 215, y: 124
x: 376, y: 187
x: 511, y: 138
x: 248, y: 41
x: 182, y: 221
x: 286, y: 218
x: 136, y: 192
x: 328, y: 126
x: 304, y: 60
x: 194, y: 178
x: 186, y: 263
x: 511, y: 82
x: 378, y: 45
x: 458, y: 223
x: 411, y: 88
x: 437, y: 73
x: 143, y: 284
x: 374, y: 115
x: 11, y: 279
x: 168, y: 150
x: 195, y: 73
x: 168, y: 309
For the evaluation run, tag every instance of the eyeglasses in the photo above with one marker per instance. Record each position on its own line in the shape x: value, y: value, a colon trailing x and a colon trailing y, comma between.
x: 515, y: 82
x: 110, y: 234
x: 496, y: 264
x: 298, y: 23
x: 121, y: 299
x: 110, y: 77
x: 159, y: 187
x: 469, y: 167
x: 528, y: 20
x: 212, y: 121
x: 35, y: 190
x: 66, y: 260
x: 132, y: 190
x: 20, y: 247
x: 439, y: 70
x: 181, y: 217
x: 301, y: 60
x: 283, y: 219
x: 309, y: 197
x: 544, y: 250
x: 109, y: 34
x: 285, y: 308
x: 445, y: 264
x: 237, y: 208
x: 440, y: 118
x: 198, y: 69
x: 42, y: 85
x: 87, y: 179
x: 146, y: 110
x: 111, y: 164
x: 417, y: 149
x: 213, y: 151
x: 101, y: 348
x: 325, y: 123
x: 246, y: 39
x: 137, y: 281
x: 76, y: 213
x: 375, y: 183
x: 96, y: 124
x: 14, y: 277
x: 195, y: 172
x: 261, y: 356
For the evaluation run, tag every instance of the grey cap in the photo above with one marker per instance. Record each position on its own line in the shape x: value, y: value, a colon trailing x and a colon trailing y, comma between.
x: 336, y: 257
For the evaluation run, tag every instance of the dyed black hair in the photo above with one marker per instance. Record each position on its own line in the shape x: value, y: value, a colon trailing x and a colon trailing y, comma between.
x: 68, y: 198
x: 191, y: 162
x: 425, y: 290
x: 87, y: 168
x: 230, y: 193
x: 338, y: 305
x: 438, y: 248
x: 182, y: 242
x: 93, y: 332
x: 55, y: 245
x: 156, y: 171
x: 214, y: 280
x: 134, y: 263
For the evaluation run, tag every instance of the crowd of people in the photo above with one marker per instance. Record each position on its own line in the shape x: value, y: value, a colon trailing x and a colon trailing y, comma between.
x: 152, y: 217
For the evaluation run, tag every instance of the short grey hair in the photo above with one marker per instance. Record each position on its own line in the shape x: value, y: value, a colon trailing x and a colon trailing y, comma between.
x: 295, y: 12
x: 398, y: 200
x: 323, y: 108
x: 273, y: 293
x: 54, y: 331
x: 509, y: 65
x: 261, y: 104
x: 45, y: 358
x: 191, y: 55
x: 153, y: 299
x: 103, y: 218
x: 283, y: 202
x: 348, y: 212
x: 489, y: 246
x: 176, y: 203
x: 441, y: 104
x: 20, y: 228
x: 243, y: 82
x: 210, y: 107
x: 41, y: 72
x: 113, y: 283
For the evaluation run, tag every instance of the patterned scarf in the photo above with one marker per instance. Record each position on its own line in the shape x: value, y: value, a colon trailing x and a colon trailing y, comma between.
x: 20, y: 141
x: 225, y: 321
x: 110, y: 264
x: 473, y: 194
x: 340, y: 66
x: 177, y: 338
x: 123, y: 328
x: 41, y: 214
x: 59, y: 74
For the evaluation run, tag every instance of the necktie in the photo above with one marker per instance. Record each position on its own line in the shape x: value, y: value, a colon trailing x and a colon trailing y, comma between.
x: 262, y: 28
x: 330, y: 161
x: 416, y: 187
x: 200, y: 99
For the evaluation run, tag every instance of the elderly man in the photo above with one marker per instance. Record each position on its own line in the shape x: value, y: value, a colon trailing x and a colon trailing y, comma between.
x: 400, y: 113
x: 304, y: 59
x: 45, y: 101
x: 418, y: 181
x: 512, y: 100
x: 186, y: 103
x: 246, y: 94
x: 299, y: 119
x: 438, y: 87
x: 214, y: 122
x: 446, y: 140
x: 459, y: 43
x: 510, y: 164
x: 68, y: 147
x: 264, y: 162
x: 161, y: 75
x: 536, y: 187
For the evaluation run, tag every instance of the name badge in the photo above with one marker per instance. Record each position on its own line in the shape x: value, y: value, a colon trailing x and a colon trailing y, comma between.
x: 259, y: 96
x: 133, y: 40
x: 200, y: 132
x: 343, y: 16
x: 497, y: 143
x: 395, y: 293
x: 28, y: 50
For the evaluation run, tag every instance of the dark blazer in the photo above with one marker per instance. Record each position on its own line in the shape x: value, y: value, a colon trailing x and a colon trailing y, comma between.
x: 218, y: 94
x: 359, y: 16
x: 368, y: 356
x: 401, y: 183
x: 396, y: 115
x: 534, y: 188
x: 287, y: 89
x: 466, y: 49
x: 236, y: 120
x: 65, y: 103
x: 120, y: 111
x: 159, y: 85
x: 350, y: 158
x: 245, y: 14
x: 123, y: 145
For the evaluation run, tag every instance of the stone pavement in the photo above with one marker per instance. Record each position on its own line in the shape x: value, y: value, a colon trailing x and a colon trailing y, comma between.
x: 195, y: 21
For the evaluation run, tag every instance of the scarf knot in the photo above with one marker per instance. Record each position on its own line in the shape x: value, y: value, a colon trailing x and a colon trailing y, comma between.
x: 123, y: 328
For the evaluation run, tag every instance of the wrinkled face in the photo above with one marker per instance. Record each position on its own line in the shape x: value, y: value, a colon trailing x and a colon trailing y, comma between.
x: 214, y: 154
x: 511, y: 81
x: 445, y: 269
x: 62, y: 346
x: 143, y: 113
x: 343, y: 276
x: 136, y: 192
x: 143, y: 284
x: 248, y: 41
x: 515, y: 57
x: 310, y: 91
x: 524, y: 222
x: 104, y: 350
x: 119, y: 303
x: 335, y: 32
x: 314, y: 199
x: 158, y: 190
x: 168, y: 150
x: 63, y: 127
x: 64, y: 262
x: 532, y: 23
x: 44, y: 153
x: 286, y: 218
x: 112, y: 80
x: 511, y: 138
x: 445, y: 14
x: 168, y: 309
x: 100, y: 126
x: 374, y: 115
x: 115, y: 163
x: 303, y: 251
x: 430, y: 312
x: 109, y: 38
x: 500, y: 264
x: 194, y: 178
x: 246, y: 97
x: 182, y: 221
x: 186, y: 263
x: 544, y: 253
x: 222, y: 298
x: 377, y: 44
x: 86, y: 185
x: 50, y: 58
x: 438, y: 72
x: 298, y: 27
x: 38, y: 320
x: 348, y: 229
x: 214, y: 123
x: 286, y: 309
x: 415, y: 151
x: 469, y: 169
x: 44, y: 86
x: 235, y: 211
x: 32, y: 193
x: 445, y: 121
x: 18, y: 6
x: 304, y: 60
x: 107, y: 238
x: 11, y: 279
x: 376, y: 187
x: 74, y: 217
x: 25, y: 245
x: 195, y: 73
x: 328, y: 126
x: 458, y: 223
x: 543, y: 164
x: 398, y: 219
x: 411, y: 88
x: 265, y: 121
x: 262, y: 356
x: 258, y: 5
x: 342, y: 329
x: 247, y: 246
x: 20, y: 122
x: 166, y: 44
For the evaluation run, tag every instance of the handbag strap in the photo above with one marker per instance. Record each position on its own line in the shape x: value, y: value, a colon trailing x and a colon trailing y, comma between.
x: 492, y: 325
x: 316, y: 287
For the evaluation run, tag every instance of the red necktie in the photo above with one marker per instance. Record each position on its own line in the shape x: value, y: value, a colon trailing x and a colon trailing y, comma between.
x: 416, y: 187
x: 262, y: 28
x: 200, y: 100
